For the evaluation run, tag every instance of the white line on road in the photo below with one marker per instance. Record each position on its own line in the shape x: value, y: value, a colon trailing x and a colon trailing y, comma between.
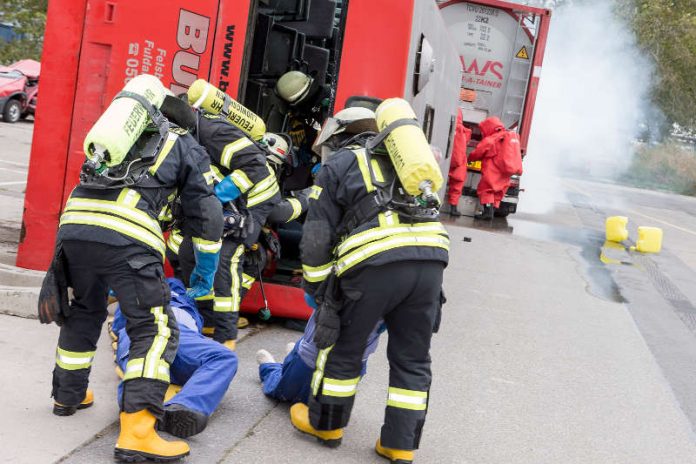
x: 13, y: 163
x: 19, y: 182
x: 688, y: 231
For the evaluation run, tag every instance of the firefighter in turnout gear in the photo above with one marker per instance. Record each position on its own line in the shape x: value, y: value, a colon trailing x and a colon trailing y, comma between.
x: 369, y: 253
x: 110, y: 239
x: 247, y: 187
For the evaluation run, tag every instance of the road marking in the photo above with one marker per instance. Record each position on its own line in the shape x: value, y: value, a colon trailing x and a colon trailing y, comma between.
x: 13, y: 170
x: 688, y: 231
x: 13, y: 163
x: 19, y: 182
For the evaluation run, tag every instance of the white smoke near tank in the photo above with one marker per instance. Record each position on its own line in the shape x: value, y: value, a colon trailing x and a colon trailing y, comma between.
x: 592, y: 101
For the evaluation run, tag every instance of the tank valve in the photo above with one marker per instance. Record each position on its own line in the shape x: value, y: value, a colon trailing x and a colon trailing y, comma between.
x: 428, y: 198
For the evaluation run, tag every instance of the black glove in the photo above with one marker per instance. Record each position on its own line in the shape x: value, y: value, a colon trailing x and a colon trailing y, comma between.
x: 328, y: 326
x: 53, y: 298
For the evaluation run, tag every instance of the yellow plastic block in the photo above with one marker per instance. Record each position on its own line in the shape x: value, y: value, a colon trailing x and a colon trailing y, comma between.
x: 649, y: 240
x: 616, y: 228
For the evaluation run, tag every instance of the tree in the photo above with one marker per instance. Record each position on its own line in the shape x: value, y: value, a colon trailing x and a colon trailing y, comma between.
x: 666, y: 30
x: 29, y: 20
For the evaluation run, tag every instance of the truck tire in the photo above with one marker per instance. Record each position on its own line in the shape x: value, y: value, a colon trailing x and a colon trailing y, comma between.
x: 12, y: 111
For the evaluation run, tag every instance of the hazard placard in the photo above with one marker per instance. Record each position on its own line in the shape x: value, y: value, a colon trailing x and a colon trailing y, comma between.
x: 522, y: 54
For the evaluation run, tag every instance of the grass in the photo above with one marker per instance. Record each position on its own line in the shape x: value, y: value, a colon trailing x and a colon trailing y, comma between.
x: 667, y: 166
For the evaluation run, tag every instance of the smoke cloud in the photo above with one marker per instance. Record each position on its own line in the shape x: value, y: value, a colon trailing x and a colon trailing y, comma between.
x: 592, y: 101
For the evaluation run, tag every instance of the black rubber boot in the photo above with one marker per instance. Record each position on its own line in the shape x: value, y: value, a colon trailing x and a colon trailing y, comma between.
x: 486, y: 213
x: 454, y: 211
x: 182, y: 422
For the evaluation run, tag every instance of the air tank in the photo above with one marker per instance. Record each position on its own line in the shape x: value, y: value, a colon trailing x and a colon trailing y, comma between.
x: 118, y: 128
x: 408, y: 148
x: 206, y: 96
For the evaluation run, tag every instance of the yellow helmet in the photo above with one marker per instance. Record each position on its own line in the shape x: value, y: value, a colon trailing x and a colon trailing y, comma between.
x: 293, y: 86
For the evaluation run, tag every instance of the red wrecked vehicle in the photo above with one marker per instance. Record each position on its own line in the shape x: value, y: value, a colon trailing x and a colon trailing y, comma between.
x: 19, y: 87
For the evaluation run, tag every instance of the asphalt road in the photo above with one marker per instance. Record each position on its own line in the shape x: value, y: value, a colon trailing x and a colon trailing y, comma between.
x: 546, y: 354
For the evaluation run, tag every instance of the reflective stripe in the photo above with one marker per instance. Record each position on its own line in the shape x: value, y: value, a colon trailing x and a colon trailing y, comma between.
x: 206, y: 246
x: 207, y: 297
x: 134, y: 370
x: 377, y: 233
x: 379, y: 177
x: 224, y: 304
x: 232, y: 148
x: 367, y: 251
x: 340, y: 388
x: 115, y: 224
x: 361, y: 156
x: 74, y: 360
x: 316, y: 191
x: 208, y: 330
x: 234, y: 272
x: 241, y: 180
x: 174, y: 240
x: 165, y: 214
x: 296, y: 208
x: 166, y: 148
x: 154, y: 354
x: 407, y: 399
x: 138, y: 217
x: 319, y: 372
x: 209, y: 177
x: 247, y: 281
x: 261, y: 197
x: 217, y: 175
x: 316, y: 273
x: 388, y: 219
x: 128, y: 197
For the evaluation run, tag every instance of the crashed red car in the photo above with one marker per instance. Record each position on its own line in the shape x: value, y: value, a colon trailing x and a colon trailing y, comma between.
x: 19, y: 87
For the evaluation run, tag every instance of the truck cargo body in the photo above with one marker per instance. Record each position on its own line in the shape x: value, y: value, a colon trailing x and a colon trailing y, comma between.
x: 501, y: 47
x: 92, y: 47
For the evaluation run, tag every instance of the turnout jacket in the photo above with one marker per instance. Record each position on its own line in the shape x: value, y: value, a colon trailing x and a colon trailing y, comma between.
x: 235, y: 155
x: 129, y: 215
x: 344, y: 180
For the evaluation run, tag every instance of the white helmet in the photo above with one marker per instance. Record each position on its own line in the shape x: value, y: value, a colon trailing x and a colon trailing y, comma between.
x: 294, y: 86
x: 276, y: 148
x: 354, y: 120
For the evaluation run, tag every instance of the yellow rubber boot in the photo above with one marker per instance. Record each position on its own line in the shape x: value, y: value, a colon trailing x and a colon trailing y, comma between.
x: 231, y: 344
x: 138, y: 440
x: 242, y: 322
x: 63, y: 410
x: 299, y: 416
x: 394, y: 455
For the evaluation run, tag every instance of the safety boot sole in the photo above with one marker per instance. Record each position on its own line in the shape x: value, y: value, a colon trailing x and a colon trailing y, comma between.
x: 60, y: 410
x: 335, y: 443
x: 183, y: 423
x: 398, y: 461
x: 126, y: 455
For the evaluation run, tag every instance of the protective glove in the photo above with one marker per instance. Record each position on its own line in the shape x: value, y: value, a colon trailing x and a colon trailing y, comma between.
x: 50, y: 300
x: 226, y: 190
x: 203, y: 274
x: 328, y: 326
x: 311, y: 302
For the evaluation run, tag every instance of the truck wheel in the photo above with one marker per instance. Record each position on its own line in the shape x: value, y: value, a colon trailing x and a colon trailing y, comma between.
x: 12, y: 111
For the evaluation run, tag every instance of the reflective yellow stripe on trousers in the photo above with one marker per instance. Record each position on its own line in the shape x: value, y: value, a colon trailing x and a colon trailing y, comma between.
x: 74, y: 360
x: 407, y: 399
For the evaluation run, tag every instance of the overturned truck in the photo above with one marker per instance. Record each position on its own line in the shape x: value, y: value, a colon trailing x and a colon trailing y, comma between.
x: 92, y: 47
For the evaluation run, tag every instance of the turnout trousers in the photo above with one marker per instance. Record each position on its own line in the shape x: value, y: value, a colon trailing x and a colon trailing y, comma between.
x: 220, y: 308
x: 136, y: 277
x: 408, y: 296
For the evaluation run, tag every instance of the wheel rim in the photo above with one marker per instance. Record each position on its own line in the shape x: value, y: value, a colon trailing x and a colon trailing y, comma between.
x: 14, y: 113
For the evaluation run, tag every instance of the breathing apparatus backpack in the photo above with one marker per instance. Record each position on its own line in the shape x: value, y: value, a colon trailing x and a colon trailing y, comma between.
x: 128, y: 137
x: 389, y: 193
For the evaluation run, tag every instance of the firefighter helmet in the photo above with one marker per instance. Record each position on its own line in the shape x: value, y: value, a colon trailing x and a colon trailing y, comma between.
x: 294, y: 86
x: 277, y: 148
x: 354, y: 120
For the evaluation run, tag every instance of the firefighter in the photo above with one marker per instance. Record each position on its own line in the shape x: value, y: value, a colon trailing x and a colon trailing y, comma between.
x: 248, y: 189
x: 364, y: 260
x: 109, y: 238
x: 499, y: 153
x: 458, y: 169
x: 202, y: 369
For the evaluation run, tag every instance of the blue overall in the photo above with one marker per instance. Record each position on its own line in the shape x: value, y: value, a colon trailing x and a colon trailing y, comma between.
x: 290, y: 381
x: 202, y: 366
